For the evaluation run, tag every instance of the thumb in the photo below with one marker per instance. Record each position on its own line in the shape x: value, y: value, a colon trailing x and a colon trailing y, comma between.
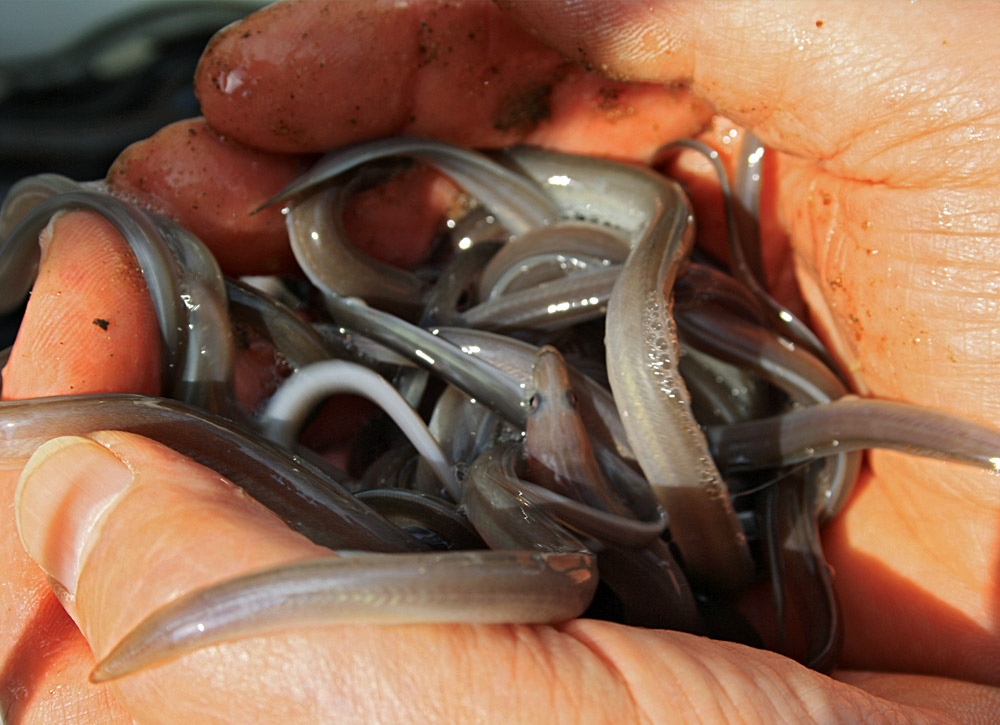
x: 124, y: 525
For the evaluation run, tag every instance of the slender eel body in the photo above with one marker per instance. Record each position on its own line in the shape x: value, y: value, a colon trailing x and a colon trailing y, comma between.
x: 643, y: 355
x: 851, y: 424
x: 285, y: 414
x: 633, y: 560
x: 559, y: 458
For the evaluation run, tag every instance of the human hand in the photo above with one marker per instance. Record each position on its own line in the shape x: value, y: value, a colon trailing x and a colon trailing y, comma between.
x: 885, y: 181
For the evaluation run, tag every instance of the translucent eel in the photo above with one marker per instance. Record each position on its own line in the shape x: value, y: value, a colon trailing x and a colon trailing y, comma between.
x: 558, y: 455
x: 807, y: 613
x: 517, y: 203
x: 293, y: 339
x: 612, y: 194
x: 515, y: 357
x: 722, y: 393
x: 18, y: 260
x: 748, y: 175
x: 806, y: 381
x: 426, y: 517
x: 595, y: 404
x: 465, y: 429
x: 790, y: 326
x: 853, y: 424
x: 291, y: 487
x: 319, y: 242
x: 642, y: 358
x: 539, y: 573
x: 547, y: 306
x: 185, y: 285
x: 700, y: 284
x: 566, y: 246
x: 648, y: 581
x: 476, y: 377
x: 456, y: 282
x: 286, y: 411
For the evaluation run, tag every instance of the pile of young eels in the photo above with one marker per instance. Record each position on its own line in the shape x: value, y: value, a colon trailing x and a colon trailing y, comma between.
x: 615, y: 426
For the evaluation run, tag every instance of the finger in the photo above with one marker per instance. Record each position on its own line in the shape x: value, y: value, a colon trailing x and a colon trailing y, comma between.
x: 110, y: 516
x: 87, y: 274
x: 210, y: 184
x: 309, y: 76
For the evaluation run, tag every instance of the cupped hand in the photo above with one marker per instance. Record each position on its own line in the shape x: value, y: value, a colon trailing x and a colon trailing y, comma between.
x: 885, y: 118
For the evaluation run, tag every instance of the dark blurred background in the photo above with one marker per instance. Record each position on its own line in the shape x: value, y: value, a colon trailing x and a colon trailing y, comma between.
x: 80, y: 81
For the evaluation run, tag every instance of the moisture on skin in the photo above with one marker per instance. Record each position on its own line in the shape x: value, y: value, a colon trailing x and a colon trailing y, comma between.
x: 548, y: 306
x: 555, y: 249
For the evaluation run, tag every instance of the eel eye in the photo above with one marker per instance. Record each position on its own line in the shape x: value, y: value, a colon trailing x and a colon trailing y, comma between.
x: 534, y: 402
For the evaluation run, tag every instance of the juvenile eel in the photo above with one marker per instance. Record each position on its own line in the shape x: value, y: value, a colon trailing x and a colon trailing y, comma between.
x: 791, y: 326
x: 514, y: 358
x: 595, y: 404
x: 19, y: 259
x: 319, y: 242
x: 185, y: 286
x: 642, y: 359
x: 539, y: 573
x: 793, y: 369
x: 559, y: 458
x: 292, y: 338
x: 516, y: 202
x: 801, y: 582
x: 590, y: 243
x: 550, y: 305
x: 853, y: 424
x: 286, y: 411
x: 308, y: 501
x: 456, y: 280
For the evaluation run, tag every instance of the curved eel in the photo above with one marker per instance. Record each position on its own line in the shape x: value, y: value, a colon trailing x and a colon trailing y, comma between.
x: 853, y: 424
x: 184, y: 282
x: 642, y: 359
x: 286, y: 411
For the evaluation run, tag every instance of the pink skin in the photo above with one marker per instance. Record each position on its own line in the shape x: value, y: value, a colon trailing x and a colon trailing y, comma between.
x: 886, y: 186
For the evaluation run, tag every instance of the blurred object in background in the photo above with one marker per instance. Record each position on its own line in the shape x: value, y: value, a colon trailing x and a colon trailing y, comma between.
x: 80, y: 81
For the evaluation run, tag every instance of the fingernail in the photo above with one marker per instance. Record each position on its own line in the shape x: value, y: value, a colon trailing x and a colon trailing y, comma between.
x: 64, y: 491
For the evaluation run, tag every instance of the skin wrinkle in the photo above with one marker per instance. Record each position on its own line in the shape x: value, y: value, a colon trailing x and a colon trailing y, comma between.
x: 635, y: 713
